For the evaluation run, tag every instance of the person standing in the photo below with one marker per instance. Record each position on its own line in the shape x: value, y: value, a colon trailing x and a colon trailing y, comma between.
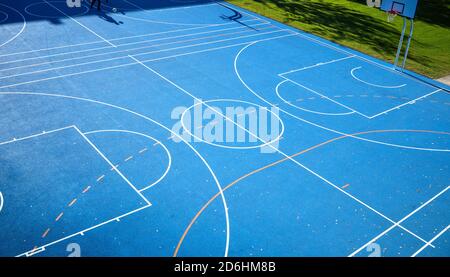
x: 98, y: 5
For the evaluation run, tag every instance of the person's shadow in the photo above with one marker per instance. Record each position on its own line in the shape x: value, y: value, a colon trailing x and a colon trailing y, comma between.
x: 103, y: 15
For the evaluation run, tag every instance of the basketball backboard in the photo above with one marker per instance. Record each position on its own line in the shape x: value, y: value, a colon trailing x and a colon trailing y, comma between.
x: 406, y: 8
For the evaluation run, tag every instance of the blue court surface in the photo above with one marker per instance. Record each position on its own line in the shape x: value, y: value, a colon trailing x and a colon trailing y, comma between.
x: 102, y: 152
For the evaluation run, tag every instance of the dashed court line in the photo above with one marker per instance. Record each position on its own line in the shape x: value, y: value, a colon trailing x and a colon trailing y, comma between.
x: 84, y: 191
x: 375, y: 96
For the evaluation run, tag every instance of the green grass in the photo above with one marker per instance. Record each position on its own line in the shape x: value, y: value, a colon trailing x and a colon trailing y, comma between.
x: 353, y: 24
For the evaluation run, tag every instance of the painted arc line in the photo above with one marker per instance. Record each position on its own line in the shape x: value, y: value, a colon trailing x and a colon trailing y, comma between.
x: 1, y: 201
x: 157, y: 21
x: 169, y: 157
x: 24, y: 24
x: 227, y: 146
x: 213, y: 174
x: 236, y: 70
x: 27, y: 10
x: 352, y: 72
x: 5, y: 16
x: 277, y: 91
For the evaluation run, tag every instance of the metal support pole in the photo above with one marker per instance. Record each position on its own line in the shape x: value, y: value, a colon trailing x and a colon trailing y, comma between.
x: 400, y: 43
x: 409, y: 43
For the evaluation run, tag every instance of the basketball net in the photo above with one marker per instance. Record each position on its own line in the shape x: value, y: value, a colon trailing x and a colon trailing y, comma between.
x: 391, y: 15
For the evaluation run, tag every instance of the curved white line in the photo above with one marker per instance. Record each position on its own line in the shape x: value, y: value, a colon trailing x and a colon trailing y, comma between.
x: 86, y: 9
x: 6, y: 17
x: 226, y: 146
x: 23, y: 26
x: 315, y: 124
x: 169, y: 157
x: 303, y: 109
x: 154, y: 21
x: 1, y: 201
x: 352, y: 72
x: 222, y: 195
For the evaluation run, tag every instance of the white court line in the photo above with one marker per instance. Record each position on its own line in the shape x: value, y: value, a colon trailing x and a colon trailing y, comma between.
x: 338, y: 49
x: 397, y: 224
x: 126, y: 50
x: 431, y: 241
x: 82, y: 232
x: 120, y: 45
x: 36, y: 135
x: 407, y: 103
x: 139, y: 54
x: 133, y: 63
x: 21, y: 30
x: 118, y: 39
x: 173, y: 23
x: 112, y: 166
x: 79, y: 23
x: 169, y: 157
x: 355, y: 111
x: 324, y: 96
x: 213, y: 175
x: 277, y: 150
x: 352, y: 72
x: 160, y: 22
x: 236, y: 71
x: 1, y: 201
x: 361, y: 58
x: 277, y: 91
x: 316, y: 65
x: 199, y: 5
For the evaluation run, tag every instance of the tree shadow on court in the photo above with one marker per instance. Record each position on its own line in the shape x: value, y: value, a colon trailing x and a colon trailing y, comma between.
x: 342, y: 24
x: 435, y: 12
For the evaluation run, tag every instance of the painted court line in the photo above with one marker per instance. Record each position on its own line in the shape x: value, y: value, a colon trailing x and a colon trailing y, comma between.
x: 118, y: 39
x: 59, y: 216
x: 1, y: 201
x: 43, y: 247
x: 112, y: 165
x: 316, y: 65
x: 129, y: 158
x: 45, y: 233
x: 123, y: 51
x: 352, y: 72
x: 134, y: 63
x: 431, y: 241
x: 407, y: 103
x: 278, y: 93
x: 21, y: 30
x: 36, y: 135
x: 138, y: 54
x: 146, y: 118
x: 351, y: 109
x: 86, y: 189
x: 163, y: 22
x: 121, y: 45
x: 277, y: 150
x: 397, y: 224
x: 79, y: 23
x: 360, y: 57
x: 198, y: 5
x: 169, y: 156
x: 72, y: 202
x: 323, y: 96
